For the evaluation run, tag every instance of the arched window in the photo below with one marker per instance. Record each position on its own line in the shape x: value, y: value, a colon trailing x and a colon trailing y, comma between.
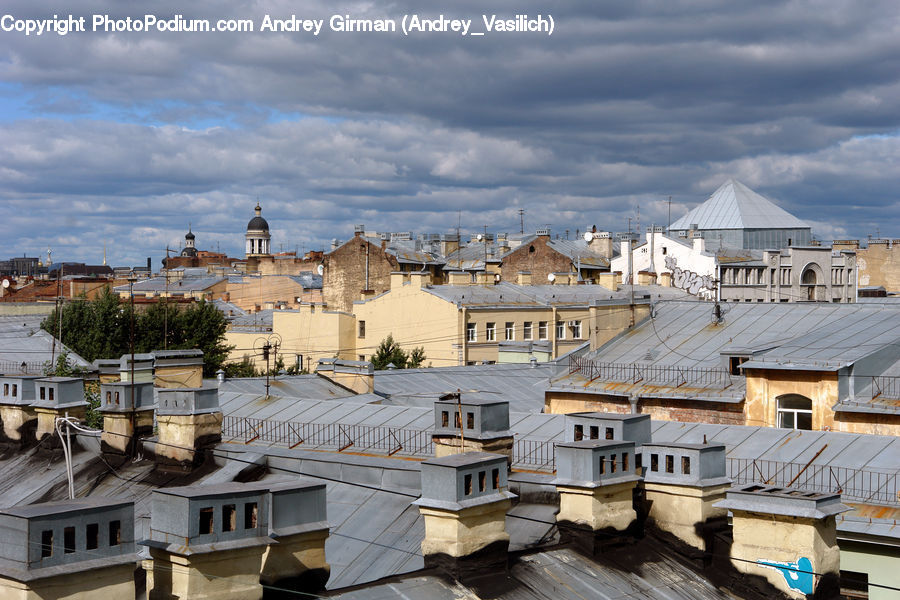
x: 794, y: 412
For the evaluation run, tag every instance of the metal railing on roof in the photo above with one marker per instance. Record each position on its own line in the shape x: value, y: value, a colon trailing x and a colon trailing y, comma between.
x: 886, y: 387
x: 12, y: 367
x: 854, y: 485
x: 331, y: 436
x: 674, y: 376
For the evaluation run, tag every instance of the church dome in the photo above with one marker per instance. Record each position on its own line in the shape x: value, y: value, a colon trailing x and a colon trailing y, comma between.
x: 257, y: 223
x: 189, y: 236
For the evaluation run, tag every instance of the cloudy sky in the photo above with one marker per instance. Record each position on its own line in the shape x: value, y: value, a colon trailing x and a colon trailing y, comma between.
x: 125, y: 138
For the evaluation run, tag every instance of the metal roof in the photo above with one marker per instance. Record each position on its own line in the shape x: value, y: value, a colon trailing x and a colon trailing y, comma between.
x: 512, y: 294
x: 735, y: 206
x: 23, y: 340
x: 519, y: 384
x: 179, y: 286
x: 642, y: 570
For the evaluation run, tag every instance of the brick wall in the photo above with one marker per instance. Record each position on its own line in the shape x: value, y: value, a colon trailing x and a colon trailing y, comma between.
x: 542, y: 261
x: 345, y: 273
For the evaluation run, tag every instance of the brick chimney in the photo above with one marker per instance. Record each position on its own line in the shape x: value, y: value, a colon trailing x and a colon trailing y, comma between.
x: 108, y: 369
x: 143, y: 368
x: 464, y: 502
x: 471, y: 424
x: 296, y: 561
x: 788, y: 536
x: 356, y: 375
x: 207, y: 541
x: 80, y: 548
x: 189, y: 422
x: 682, y: 484
x: 123, y: 420
x: 178, y: 368
x: 596, y: 481
x: 17, y: 393
x: 57, y: 397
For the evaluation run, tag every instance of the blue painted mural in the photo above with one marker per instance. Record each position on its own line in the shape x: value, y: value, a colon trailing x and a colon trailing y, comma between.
x: 799, y: 575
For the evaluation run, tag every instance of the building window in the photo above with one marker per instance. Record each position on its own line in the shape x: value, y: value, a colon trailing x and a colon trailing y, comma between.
x: 229, y: 517
x: 117, y: 398
x: 595, y: 432
x: 510, y: 333
x: 92, y: 541
x: 482, y: 481
x: 609, y: 433
x: 6, y: 389
x: 490, y: 332
x: 69, y: 540
x: 542, y: 330
x: 471, y: 332
x: 361, y: 357
x: 735, y: 362
x: 47, y: 543
x: 560, y: 330
x: 670, y: 463
x: 575, y: 326
x: 115, y: 532
x: 526, y: 330
x: 467, y: 482
x: 445, y: 418
x: 603, y: 460
x: 206, y: 521
x: 579, y: 433
x: 15, y: 389
x: 612, y: 462
x: 251, y: 514
x: 654, y: 462
x: 362, y: 329
x: 51, y: 394
x: 795, y: 412
x: 470, y: 420
x: 686, y: 465
x: 495, y: 475
x: 43, y: 393
x: 625, y: 462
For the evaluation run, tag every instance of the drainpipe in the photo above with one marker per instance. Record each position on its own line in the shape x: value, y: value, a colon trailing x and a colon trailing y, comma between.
x: 633, y: 400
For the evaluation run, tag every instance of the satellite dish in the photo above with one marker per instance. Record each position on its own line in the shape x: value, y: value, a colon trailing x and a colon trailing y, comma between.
x: 479, y: 237
x: 588, y: 236
x: 6, y: 283
x: 320, y: 269
x: 551, y: 277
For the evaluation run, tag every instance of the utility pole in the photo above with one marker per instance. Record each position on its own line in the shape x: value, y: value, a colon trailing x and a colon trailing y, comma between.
x: 131, y: 280
x: 669, y: 224
x: 266, y: 348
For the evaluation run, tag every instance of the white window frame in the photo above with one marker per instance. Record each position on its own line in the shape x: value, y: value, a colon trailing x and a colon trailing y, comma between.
x: 576, y: 330
x: 510, y: 331
x: 543, y: 330
x: 490, y: 331
x: 560, y: 330
x: 527, y: 330
x: 786, y: 418
x: 471, y: 332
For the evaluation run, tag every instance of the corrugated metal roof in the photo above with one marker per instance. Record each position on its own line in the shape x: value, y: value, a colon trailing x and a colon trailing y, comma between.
x: 512, y: 294
x: 23, y: 340
x: 179, y: 286
x: 735, y: 206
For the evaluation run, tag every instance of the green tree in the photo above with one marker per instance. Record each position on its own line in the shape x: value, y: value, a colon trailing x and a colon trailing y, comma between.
x: 101, y: 328
x: 416, y: 358
x: 64, y: 368
x: 203, y: 326
x: 244, y: 368
x: 389, y: 352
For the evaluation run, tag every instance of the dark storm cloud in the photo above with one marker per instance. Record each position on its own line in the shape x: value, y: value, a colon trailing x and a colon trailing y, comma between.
x: 625, y: 105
